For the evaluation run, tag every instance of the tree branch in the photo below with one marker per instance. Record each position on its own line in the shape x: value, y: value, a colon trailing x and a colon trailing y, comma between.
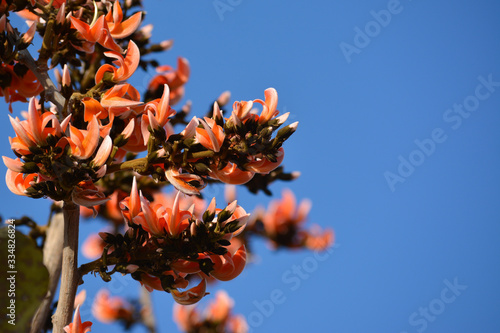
x: 147, y: 315
x: 50, y: 88
x: 70, y: 276
x: 52, y: 259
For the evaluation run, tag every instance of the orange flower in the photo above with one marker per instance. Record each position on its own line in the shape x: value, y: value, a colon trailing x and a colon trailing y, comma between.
x: 162, y: 112
x: 93, y: 246
x: 219, y: 309
x: 158, y: 220
x: 121, y: 100
x: 268, y: 106
x: 260, y: 164
x: 77, y: 326
x: 185, y: 316
x: 229, y: 265
x: 211, y: 135
x: 126, y: 66
x: 96, y: 32
x: 17, y: 183
x: 319, y: 240
x: 154, y: 283
x: 34, y: 130
x: 192, y: 295
x: 86, y: 194
x: 119, y: 29
x: 92, y: 107
x: 175, y: 79
x: 108, y: 309
x: 231, y: 174
x: 19, y: 88
x: 284, y: 213
x: 185, y: 182
x: 237, y: 324
x: 84, y: 142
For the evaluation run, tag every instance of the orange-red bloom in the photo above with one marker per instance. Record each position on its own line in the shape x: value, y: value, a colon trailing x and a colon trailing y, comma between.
x: 210, y: 135
x: 268, y: 106
x: 119, y: 28
x: 34, y: 130
x: 108, y: 309
x: 192, y: 295
x: 185, y: 182
x: 18, y: 183
x: 260, y: 164
x: 97, y: 32
x: 175, y: 79
x: 231, y: 174
x: 77, y: 326
x: 126, y: 66
x: 229, y: 265
x: 19, y: 88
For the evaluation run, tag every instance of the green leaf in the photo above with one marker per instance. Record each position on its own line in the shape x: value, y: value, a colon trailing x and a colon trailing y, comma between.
x: 23, y: 285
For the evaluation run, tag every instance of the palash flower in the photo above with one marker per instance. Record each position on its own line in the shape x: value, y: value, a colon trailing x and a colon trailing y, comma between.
x: 14, y: 165
x: 108, y: 309
x: 192, y: 295
x: 185, y: 201
x: 268, y: 106
x: 185, y: 316
x: 283, y: 213
x: 318, y: 239
x: 176, y: 79
x: 119, y: 28
x: 92, y: 107
x: 210, y: 135
x: 19, y: 88
x: 17, y: 182
x: 131, y: 205
x: 157, y: 113
x: 229, y: 265
x: 217, y: 315
x: 260, y: 164
x: 185, y: 182
x: 231, y: 174
x: 220, y: 308
x: 159, y: 221
x: 93, y: 247
x: 121, y: 100
x: 237, y: 324
x: 88, y: 195
x: 126, y: 66
x: 77, y: 326
x: 84, y: 142
x: 154, y: 283
x: 34, y: 130
x: 242, y: 109
x: 96, y: 32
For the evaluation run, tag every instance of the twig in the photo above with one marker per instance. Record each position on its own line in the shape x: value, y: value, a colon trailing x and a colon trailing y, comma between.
x: 52, y: 259
x: 24, y: 56
x: 50, y: 88
x: 70, y: 276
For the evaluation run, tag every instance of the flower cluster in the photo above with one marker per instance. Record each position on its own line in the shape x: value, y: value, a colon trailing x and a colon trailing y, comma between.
x: 80, y: 140
x: 165, y: 246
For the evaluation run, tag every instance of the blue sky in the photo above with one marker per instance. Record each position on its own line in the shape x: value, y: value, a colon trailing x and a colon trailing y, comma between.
x: 416, y: 103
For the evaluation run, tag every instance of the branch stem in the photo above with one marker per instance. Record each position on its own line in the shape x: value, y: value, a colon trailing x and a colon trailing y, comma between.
x: 70, y: 276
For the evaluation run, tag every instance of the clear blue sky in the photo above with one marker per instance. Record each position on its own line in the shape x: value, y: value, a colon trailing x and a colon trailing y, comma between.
x: 418, y: 243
